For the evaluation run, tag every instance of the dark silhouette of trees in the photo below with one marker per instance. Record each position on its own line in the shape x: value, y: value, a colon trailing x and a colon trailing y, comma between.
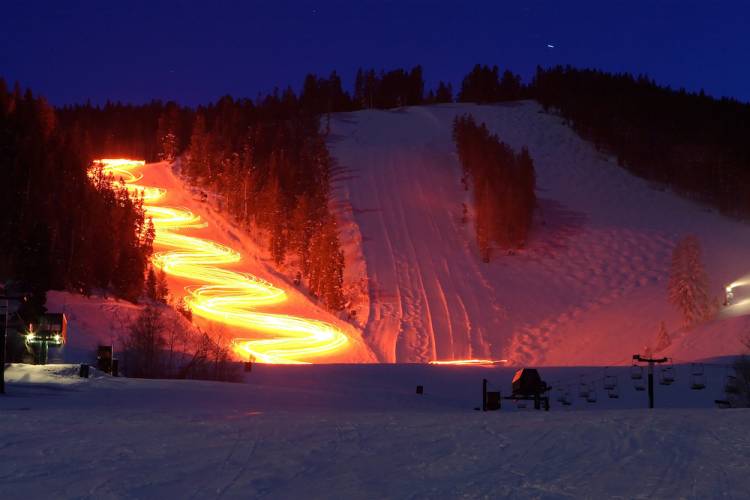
x: 324, y: 95
x: 503, y: 184
x: 390, y: 89
x: 269, y: 163
x: 152, y: 131
x: 444, y: 92
x: 162, y: 345
x: 695, y: 144
x: 484, y: 85
x: 64, y: 226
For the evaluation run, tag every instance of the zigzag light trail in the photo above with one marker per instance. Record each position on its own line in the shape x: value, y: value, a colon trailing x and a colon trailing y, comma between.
x: 221, y: 294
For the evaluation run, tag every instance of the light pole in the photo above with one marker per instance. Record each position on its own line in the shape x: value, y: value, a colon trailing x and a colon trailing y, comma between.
x: 2, y: 350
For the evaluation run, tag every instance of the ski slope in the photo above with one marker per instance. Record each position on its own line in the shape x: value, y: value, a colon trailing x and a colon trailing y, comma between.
x: 99, y: 320
x: 590, y: 288
x: 359, y: 431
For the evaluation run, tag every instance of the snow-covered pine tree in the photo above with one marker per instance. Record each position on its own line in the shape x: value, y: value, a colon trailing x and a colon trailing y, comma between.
x: 662, y: 338
x: 166, y: 133
x: 688, y: 281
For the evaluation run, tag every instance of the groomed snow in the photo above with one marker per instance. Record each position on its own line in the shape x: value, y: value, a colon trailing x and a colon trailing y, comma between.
x: 590, y: 288
x: 358, y: 431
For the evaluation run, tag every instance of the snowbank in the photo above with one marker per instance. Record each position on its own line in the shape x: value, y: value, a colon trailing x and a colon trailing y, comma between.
x: 358, y: 431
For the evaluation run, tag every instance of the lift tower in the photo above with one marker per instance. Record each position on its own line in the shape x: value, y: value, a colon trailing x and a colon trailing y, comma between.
x: 640, y: 359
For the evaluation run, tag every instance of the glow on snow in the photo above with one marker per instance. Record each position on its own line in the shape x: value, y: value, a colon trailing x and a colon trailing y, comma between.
x: 471, y: 362
x: 224, y: 295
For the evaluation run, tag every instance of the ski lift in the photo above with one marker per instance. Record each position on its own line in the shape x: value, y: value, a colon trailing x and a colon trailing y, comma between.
x: 697, y: 377
x: 560, y: 395
x: 613, y: 393
x: 583, y: 389
x: 591, y: 398
x: 731, y: 385
x: 636, y: 372
x: 566, y: 399
x: 610, y: 382
x: 639, y: 384
x: 666, y: 375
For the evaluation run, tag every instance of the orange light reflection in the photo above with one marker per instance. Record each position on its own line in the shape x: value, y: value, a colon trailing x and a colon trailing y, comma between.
x: 225, y: 296
x: 471, y: 362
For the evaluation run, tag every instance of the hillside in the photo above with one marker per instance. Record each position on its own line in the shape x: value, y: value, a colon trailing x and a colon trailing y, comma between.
x: 99, y: 320
x: 590, y: 288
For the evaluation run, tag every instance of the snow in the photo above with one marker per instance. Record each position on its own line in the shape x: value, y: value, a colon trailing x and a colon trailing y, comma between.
x: 590, y: 288
x: 100, y: 320
x: 589, y: 291
x: 359, y: 431
x: 254, y: 261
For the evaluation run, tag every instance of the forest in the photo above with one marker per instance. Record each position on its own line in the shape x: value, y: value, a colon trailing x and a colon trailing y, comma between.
x: 267, y: 160
x: 270, y: 165
x: 503, y: 186
x: 693, y: 143
x: 61, y: 227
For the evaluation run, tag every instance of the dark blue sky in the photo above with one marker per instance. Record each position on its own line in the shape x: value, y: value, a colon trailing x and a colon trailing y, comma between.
x: 197, y: 51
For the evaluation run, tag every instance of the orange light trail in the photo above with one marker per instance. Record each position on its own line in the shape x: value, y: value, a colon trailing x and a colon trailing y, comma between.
x: 471, y: 362
x: 224, y: 295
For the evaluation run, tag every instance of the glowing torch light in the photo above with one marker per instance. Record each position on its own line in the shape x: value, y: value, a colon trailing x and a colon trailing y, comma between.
x: 224, y: 295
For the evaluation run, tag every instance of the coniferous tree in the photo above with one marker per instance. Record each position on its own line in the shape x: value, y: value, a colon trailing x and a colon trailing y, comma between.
x: 687, y: 281
x: 269, y: 162
x: 150, y: 284
x: 66, y: 226
x: 503, y: 183
x: 694, y: 143
x: 444, y: 92
x: 162, y: 287
x: 662, y: 338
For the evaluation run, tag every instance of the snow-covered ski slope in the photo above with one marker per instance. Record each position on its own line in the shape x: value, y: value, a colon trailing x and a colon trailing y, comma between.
x: 359, y: 431
x: 590, y: 288
x: 97, y: 320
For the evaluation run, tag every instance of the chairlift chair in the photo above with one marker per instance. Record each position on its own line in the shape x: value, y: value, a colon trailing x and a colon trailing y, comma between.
x: 666, y: 375
x: 583, y: 389
x: 731, y: 385
x: 566, y: 399
x: 613, y: 393
x: 560, y: 395
x: 639, y: 385
x: 697, y: 377
x: 591, y: 398
x: 636, y: 372
x: 610, y: 382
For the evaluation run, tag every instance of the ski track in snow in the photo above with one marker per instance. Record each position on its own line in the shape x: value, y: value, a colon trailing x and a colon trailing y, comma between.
x: 293, y: 432
x: 591, y: 284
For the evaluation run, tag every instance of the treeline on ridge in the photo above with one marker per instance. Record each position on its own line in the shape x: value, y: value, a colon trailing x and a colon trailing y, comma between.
x: 502, y: 182
x: 267, y: 158
x: 696, y: 144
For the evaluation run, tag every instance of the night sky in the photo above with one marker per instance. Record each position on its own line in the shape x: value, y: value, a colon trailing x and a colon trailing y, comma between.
x: 194, y: 52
